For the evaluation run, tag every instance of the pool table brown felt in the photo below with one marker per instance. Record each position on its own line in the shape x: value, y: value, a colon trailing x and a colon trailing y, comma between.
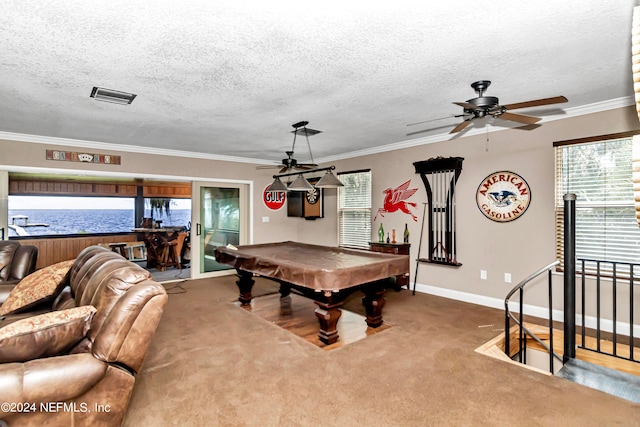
x: 321, y: 268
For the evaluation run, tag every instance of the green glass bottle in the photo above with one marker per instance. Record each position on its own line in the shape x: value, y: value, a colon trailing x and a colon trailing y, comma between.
x: 381, y: 233
x: 406, y: 234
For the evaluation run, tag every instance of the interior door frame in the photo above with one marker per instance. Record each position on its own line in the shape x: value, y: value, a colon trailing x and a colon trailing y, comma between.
x: 4, y: 202
x: 246, y: 221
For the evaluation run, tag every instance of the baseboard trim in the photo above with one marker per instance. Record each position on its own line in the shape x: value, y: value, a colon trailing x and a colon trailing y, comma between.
x: 530, y: 310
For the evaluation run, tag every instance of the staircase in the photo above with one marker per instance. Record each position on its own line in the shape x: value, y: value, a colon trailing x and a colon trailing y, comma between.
x: 611, y: 375
x: 586, y: 358
x: 610, y: 381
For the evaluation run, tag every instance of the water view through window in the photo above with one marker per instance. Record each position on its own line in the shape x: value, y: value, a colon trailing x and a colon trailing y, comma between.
x: 42, y: 215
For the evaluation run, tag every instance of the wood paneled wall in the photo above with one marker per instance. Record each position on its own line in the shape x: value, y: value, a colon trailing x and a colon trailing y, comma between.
x: 51, y: 251
x: 33, y: 186
x: 24, y: 187
x: 174, y: 190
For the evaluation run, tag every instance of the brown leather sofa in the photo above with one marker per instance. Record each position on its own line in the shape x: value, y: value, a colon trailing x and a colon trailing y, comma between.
x: 92, y: 383
x: 16, y: 262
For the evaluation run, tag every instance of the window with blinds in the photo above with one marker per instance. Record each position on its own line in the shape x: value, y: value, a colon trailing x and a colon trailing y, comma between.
x: 599, y: 173
x: 354, y: 209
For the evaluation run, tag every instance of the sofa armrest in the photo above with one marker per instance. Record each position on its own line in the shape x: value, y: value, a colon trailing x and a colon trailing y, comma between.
x: 52, y: 379
x: 23, y: 262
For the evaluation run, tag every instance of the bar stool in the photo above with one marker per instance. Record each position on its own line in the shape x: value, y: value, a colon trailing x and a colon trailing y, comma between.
x: 169, y: 256
x: 119, y: 248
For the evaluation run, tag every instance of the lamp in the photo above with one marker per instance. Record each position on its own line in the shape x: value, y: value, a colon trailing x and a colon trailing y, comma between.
x: 277, y: 185
x: 300, y: 184
x: 329, y: 180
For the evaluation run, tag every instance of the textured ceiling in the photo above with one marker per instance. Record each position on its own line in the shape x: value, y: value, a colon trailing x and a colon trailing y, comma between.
x: 229, y: 78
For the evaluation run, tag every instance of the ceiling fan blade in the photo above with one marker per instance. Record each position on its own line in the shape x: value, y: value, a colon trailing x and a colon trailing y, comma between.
x: 429, y: 130
x: 461, y: 126
x: 268, y: 167
x: 466, y: 105
x: 528, y: 127
x: 536, y: 103
x: 520, y: 118
x: 434, y: 120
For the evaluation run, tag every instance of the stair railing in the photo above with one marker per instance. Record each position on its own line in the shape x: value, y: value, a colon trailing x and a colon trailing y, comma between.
x: 621, y: 275
x: 523, y: 332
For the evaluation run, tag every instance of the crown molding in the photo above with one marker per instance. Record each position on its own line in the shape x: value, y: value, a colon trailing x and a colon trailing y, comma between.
x: 597, y: 107
x: 50, y: 140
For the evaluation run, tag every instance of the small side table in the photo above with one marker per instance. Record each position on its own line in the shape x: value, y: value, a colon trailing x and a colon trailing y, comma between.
x: 119, y: 248
x: 394, y: 248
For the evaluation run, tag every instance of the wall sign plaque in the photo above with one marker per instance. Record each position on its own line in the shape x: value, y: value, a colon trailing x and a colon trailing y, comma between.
x: 503, y: 196
x: 274, y: 200
x: 75, y: 156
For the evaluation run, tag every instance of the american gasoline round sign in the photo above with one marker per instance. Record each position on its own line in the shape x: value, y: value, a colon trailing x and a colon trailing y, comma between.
x: 503, y: 196
x: 274, y: 200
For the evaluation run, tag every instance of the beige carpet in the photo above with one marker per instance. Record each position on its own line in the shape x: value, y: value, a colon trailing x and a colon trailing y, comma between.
x: 212, y: 363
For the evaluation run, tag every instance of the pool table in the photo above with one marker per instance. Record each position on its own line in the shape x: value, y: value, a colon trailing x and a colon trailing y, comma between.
x: 323, y: 273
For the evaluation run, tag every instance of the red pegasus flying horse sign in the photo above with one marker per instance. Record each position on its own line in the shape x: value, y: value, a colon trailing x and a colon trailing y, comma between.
x: 395, y: 199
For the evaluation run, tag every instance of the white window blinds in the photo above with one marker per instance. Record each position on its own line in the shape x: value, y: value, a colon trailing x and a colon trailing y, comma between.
x: 354, y: 209
x: 600, y: 174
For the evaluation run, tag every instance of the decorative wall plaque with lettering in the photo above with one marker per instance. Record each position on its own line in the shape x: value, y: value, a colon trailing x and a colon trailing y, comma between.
x: 503, y: 196
x: 78, y: 156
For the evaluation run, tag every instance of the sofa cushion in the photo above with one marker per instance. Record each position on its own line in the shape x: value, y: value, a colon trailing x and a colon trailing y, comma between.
x: 37, y: 288
x: 45, y: 335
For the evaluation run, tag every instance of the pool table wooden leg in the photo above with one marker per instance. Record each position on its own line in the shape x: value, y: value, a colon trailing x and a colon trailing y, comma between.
x: 285, y: 299
x: 245, y: 284
x: 328, y: 314
x: 374, y: 301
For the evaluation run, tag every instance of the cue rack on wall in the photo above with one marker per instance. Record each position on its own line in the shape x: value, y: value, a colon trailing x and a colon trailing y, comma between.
x: 440, y: 176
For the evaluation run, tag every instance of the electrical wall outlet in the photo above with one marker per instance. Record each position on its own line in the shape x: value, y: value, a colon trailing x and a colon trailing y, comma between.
x: 507, y: 277
x: 265, y: 219
x: 483, y: 274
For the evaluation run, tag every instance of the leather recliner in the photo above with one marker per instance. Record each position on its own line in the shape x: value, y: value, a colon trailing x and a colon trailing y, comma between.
x: 92, y: 383
x: 16, y: 262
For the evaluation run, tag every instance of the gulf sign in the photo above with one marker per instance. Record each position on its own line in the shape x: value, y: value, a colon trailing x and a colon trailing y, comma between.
x: 274, y: 200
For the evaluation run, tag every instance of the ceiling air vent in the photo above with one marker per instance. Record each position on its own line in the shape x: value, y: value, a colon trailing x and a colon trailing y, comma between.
x: 114, y: 96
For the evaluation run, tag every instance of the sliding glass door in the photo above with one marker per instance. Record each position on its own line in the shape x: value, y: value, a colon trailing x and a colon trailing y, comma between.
x: 221, y: 217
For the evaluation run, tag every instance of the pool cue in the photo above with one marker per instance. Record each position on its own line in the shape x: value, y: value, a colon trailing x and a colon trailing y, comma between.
x: 415, y: 277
